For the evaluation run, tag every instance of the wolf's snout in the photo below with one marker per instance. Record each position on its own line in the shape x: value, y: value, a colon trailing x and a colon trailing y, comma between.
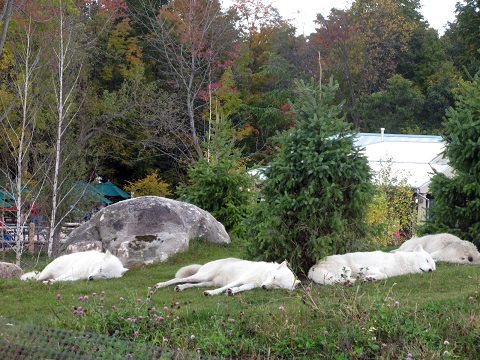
x: 264, y: 287
x: 90, y: 278
x: 430, y: 270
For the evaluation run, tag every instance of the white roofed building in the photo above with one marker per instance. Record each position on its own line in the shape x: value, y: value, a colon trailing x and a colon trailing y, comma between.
x: 413, y: 157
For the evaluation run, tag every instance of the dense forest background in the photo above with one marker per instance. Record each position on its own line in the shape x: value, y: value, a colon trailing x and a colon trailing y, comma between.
x: 124, y: 89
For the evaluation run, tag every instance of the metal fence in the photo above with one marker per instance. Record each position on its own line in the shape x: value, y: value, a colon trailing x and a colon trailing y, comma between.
x: 19, y: 341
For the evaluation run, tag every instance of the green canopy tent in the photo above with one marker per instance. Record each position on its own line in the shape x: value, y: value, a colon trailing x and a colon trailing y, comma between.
x: 111, y: 190
x: 89, y: 193
x: 5, y: 205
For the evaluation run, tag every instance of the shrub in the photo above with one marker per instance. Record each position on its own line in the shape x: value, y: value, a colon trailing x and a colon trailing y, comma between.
x: 391, y: 214
x: 152, y: 184
x: 317, y: 187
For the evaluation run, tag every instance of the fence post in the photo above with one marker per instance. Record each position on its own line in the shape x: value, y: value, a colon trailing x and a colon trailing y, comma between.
x: 31, y: 238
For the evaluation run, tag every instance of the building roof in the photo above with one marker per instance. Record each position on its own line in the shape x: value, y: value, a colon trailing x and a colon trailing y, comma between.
x: 110, y: 189
x: 415, y: 157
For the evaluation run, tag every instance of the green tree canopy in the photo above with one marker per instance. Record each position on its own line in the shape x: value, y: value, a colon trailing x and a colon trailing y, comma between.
x: 396, y: 108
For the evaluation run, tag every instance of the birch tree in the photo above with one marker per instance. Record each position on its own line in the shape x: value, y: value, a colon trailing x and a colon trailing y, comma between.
x: 65, y: 81
x: 18, y: 129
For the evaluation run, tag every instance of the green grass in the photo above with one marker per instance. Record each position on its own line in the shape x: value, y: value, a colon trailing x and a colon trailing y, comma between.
x: 414, y: 313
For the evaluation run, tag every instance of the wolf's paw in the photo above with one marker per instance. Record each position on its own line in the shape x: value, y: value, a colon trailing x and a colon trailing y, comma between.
x: 230, y: 292
x: 206, y: 293
x: 178, y: 288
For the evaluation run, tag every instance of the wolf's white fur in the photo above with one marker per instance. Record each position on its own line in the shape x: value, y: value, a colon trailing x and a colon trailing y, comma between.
x: 375, y: 265
x: 233, y: 276
x: 81, y: 265
x: 445, y: 247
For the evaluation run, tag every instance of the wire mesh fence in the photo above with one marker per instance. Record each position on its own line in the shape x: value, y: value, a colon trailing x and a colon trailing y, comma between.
x: 19, y: 341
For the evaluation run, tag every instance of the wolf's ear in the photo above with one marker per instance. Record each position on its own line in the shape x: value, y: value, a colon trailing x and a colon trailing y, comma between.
x: 283, y: 264
x: 108, y: 253
x: 419, y: 247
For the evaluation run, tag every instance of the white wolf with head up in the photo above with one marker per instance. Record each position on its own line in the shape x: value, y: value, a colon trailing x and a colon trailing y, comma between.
x: 375, y: 265
x: 80, y: 266
x: 445, y: 247
x: 233, y: 276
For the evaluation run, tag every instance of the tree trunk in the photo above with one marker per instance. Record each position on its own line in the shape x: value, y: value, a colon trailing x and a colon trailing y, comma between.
x: 5, y: 17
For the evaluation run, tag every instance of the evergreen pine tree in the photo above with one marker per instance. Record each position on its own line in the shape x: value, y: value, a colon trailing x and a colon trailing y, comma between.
x: 219, y: 182
x: 317, y: 187
x: 456, y: 205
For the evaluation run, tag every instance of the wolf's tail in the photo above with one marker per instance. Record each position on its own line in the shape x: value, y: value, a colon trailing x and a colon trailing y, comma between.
x: 187, y: 271
x: 33, y: 275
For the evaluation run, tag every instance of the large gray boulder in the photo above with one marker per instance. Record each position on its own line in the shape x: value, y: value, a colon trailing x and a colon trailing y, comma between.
x: 146, y: 229
x: 9, y: 270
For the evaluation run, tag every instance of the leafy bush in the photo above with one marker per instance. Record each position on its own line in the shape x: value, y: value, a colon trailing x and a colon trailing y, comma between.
x: 391, y: 214
x: 152, y: 184
x: 317, y: 187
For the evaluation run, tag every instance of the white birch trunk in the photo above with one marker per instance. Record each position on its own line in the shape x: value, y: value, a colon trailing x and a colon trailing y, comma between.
x: 58, y: 144
x: 64, y: 103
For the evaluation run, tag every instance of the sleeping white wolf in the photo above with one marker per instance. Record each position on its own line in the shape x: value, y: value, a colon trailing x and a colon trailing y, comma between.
x: 233, y: 276
x: 375, y: 265
x: 445, y: 247
x: 80, y: 265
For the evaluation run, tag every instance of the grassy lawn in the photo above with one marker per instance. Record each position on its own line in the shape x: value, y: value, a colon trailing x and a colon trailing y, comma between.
x: 427, y: 315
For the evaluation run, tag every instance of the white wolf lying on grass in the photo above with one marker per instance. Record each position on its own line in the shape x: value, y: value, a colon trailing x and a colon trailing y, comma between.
x: 445, y: 247
x: 78, y: 266
x: 375, y: 265
x: 233, y: 276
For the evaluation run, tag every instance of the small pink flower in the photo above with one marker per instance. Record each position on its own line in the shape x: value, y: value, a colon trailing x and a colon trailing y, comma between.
x: 165, y: 308
x: 396, y: 304
x: 136, y: 333
x: 139, y: 301
x: 176, y: 303
x: 94, y: 294
x: 83, y: 298
x: 151, y: 292
x: 159, y: 318
x: 281, y: 308
x: 79, y: 311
